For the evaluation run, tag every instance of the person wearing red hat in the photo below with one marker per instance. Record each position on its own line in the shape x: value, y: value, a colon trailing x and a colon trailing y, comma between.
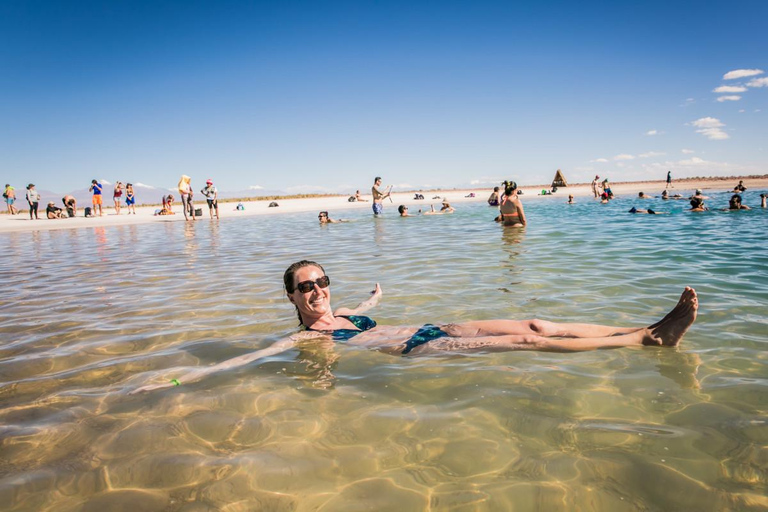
x: 212, y: 195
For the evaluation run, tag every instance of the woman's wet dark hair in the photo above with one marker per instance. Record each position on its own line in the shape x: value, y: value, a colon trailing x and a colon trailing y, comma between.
x: 696, y: 202
x: 288, y: 278
x: 509, y: 187
x: 736, y: 198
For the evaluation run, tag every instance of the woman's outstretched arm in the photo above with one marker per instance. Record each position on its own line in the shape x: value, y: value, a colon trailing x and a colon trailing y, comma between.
x: 371, y: 302
x: 199, y: 373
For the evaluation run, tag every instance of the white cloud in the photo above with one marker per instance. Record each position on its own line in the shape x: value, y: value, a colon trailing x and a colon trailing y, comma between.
x: 713, y: 133
x: 624, y: 156
x: 742, y: 110
x: 692, y: 161
x: 758, y: 82
x: 485, y: 180
x: 734, y: 97
x: 105, y: 182
x: 688, y: 151
x: 707, y: 122
x: 255, y: 187
x: 741, y: 73
x: 652, y: 132
x: 688, y: 102
x: 403, y: 185
x: 651, y: 154
x: 599, y: 160
x: 730, y: 88
x: 710, y: 127
x: 142, y: 185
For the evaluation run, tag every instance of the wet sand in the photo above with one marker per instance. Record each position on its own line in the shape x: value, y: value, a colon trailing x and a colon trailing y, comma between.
x: 145, y: 214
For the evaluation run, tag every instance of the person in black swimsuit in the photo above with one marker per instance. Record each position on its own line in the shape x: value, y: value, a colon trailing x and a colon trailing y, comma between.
x: 308, y: 288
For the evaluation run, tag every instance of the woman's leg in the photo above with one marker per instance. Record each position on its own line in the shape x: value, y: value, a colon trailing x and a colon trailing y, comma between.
x: 552, y: 329
x: 185, y: 204
x: 667, y: 332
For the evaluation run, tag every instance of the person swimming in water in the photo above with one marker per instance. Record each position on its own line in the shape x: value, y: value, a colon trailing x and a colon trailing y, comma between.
x: 308, y: 288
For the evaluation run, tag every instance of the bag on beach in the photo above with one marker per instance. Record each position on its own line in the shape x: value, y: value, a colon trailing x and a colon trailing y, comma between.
x: 198, y: 212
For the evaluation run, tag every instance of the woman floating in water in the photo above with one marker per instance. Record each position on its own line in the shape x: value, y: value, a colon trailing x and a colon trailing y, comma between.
x: 308, y: 288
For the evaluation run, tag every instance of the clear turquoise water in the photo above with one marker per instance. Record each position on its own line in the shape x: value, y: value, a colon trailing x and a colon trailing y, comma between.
x: 88, y: 315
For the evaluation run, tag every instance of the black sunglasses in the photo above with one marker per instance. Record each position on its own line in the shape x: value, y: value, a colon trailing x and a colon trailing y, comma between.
x: 308, y: 286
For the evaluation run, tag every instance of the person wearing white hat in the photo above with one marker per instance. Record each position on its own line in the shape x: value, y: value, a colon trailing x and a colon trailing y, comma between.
x: 212, y: 196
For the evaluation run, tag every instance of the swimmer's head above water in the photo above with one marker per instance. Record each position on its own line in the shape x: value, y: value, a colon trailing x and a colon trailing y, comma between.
x: 509, y: 187
x: 307, y: 287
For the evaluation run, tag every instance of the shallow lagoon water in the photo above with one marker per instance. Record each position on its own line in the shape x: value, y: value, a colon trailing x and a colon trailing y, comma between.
x: 88, y: 315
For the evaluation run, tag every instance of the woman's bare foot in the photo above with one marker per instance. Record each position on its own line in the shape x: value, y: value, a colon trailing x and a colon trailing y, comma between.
x: 670, y: 330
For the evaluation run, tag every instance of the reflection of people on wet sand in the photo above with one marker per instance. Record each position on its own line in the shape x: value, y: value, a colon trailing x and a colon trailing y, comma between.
x: 308, y: 288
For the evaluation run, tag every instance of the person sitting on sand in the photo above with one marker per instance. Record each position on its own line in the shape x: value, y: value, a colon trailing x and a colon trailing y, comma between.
x: 511, y: 211
x: 471, y: 194
x: 308, y: 288
x: 697, y: 205
x: 740, y: 187
x: 167, y: 205
x: 53, y: 211
x: 493, y: 199
x: 359, y: 198
x: 570, y: 199
x: 735, y: 203
x: 70, y: 203
x: 325, y: 219
x: 648, y: 211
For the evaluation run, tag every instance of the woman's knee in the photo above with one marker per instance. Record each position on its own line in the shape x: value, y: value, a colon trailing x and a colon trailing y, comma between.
x: 541, y: 327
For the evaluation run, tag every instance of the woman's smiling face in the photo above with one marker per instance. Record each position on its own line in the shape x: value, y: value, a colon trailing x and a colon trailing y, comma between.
x: 315, y: 303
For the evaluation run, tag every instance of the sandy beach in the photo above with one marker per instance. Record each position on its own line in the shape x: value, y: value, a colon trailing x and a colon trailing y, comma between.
x: 146, y: 214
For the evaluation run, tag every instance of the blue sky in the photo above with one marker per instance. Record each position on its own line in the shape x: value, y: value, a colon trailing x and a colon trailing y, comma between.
x: 323, y: 96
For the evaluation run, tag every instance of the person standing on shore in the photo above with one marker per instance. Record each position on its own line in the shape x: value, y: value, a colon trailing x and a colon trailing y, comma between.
x: 595, y: 185
x: 379, y: 196
x: 607, y: 188
x: 185, y: 189
x: 10, y: 197
x: 117, y: 194
x: 669, y: 180
x: 130, y: 199
x: 97, y: 189
x: 33, y: 198
x: 212, y: 196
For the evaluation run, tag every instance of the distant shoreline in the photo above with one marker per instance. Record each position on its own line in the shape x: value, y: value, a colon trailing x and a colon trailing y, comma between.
x: 331, y: 203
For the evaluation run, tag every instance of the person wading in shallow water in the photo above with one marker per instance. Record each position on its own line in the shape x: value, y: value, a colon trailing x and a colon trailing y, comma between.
x: 308, y: 288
